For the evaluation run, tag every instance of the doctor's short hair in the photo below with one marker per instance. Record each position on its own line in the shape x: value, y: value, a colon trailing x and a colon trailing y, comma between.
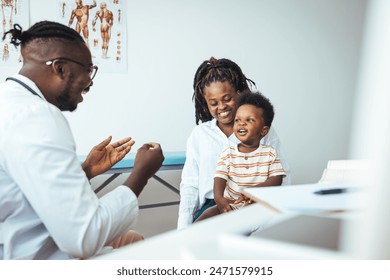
x: 257, y: 99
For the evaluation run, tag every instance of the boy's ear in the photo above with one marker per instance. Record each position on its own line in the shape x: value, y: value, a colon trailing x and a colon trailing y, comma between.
x: 264, y: 130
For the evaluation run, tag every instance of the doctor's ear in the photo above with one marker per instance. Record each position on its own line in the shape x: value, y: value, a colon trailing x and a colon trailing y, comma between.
x: 60, y: 70
x: 57, y: 66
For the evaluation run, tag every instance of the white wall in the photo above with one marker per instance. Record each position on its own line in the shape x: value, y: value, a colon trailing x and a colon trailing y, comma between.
x: 368, y: 236
x: 302, y: 54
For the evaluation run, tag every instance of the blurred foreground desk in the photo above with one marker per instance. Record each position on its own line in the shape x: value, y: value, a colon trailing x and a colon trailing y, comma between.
x: 280, y: 235
x: 203, y: 240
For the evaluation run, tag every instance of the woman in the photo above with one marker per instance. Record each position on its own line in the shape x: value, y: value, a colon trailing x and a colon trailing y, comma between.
x: 217, y: 85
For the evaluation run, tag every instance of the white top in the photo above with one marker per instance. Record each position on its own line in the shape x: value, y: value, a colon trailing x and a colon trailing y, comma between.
x: 243, y: 170
x: 44, y: 193
x: 204, y: 146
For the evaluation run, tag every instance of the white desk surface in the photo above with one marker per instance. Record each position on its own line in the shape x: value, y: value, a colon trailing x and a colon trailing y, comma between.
x: 220, y: 238
x: 199, y: 241
x: 302, y: 198
x: 223, y: 238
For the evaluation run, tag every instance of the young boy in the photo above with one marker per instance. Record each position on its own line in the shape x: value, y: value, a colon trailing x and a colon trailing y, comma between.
x: 248, y: 164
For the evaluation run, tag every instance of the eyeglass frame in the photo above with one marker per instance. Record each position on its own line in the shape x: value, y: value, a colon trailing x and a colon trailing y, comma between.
x: 92, y: 68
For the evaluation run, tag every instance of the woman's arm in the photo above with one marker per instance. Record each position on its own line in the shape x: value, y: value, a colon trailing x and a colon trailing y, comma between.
x: 273, y: 140
x: 189, y: 186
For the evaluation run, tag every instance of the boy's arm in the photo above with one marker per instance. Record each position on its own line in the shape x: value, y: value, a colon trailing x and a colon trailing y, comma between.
x: 220, y: 200
x: 271, y: 181
x: 275, y: 171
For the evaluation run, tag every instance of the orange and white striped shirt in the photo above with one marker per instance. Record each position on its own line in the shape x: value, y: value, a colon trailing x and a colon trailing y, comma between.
x: 242, y: 170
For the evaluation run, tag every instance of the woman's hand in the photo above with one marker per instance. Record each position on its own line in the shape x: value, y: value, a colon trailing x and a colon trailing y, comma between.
x: 104, y: 155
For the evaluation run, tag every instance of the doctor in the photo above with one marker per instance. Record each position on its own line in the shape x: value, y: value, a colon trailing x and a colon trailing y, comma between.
x: 47, y: 207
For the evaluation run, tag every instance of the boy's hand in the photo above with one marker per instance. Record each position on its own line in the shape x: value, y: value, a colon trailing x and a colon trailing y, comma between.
x: 244, y: 199
x: 223, y: 204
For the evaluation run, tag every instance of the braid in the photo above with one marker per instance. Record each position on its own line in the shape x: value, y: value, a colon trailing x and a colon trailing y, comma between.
x: 216, y: 70
x: 16, y: 35
x: 43, y: 30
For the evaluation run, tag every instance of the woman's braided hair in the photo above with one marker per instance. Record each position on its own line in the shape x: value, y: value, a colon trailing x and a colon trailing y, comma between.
x: 216, y: 70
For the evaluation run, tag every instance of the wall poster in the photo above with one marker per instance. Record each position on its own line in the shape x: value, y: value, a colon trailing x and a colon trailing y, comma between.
x: 12, y: 12
x: 102, y: 24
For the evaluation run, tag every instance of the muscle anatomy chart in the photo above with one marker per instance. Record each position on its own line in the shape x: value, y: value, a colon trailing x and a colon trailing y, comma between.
x: 102, y: 24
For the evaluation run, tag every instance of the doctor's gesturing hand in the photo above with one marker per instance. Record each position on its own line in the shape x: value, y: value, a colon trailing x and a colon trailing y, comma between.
x: 104, y: 155
x: 147, y: 162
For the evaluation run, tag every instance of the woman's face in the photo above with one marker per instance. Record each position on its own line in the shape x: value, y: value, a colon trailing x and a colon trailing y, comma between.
x: 221, y: 100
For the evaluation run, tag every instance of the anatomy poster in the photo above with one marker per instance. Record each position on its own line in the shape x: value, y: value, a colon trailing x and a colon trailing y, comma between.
x: 12, y: 12
x: 102, y: 24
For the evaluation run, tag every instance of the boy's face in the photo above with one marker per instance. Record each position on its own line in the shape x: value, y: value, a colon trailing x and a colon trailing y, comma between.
x: 249, y: 125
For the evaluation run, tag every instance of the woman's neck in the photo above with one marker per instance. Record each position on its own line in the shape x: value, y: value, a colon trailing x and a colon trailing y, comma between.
x: 227, y: 129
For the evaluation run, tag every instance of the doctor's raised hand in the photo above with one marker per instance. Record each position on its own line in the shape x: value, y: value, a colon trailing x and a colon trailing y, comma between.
x: 104, y: 155
x: 147, y: 162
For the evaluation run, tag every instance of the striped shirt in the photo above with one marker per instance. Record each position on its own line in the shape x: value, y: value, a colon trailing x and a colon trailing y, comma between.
x: 242, y: 170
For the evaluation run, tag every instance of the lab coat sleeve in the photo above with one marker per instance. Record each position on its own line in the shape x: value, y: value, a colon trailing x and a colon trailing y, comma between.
x: 42, y: 160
